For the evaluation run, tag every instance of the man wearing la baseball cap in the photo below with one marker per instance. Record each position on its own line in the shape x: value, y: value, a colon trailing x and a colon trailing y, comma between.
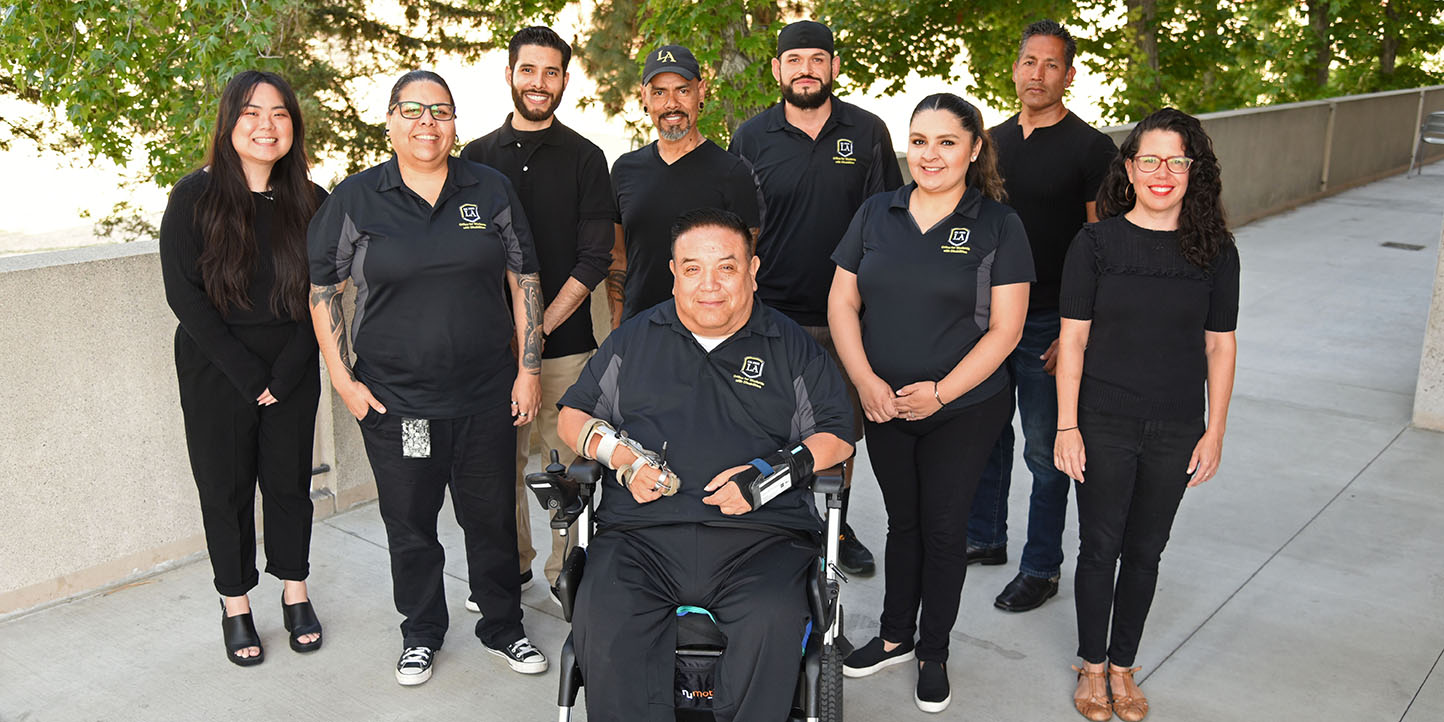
x: 679, y: 172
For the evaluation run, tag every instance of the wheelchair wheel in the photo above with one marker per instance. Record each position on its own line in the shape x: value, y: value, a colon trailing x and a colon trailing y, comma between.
x: 829, y: 702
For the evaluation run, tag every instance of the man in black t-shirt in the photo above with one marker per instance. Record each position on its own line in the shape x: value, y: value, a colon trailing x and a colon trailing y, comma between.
x: 1052, y: 165
x: 679, y: 172
x: 561, y: 179
x: 817, y: 159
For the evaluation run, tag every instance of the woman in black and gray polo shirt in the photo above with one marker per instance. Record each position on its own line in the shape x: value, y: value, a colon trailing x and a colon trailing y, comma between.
x: 929, y: 298
x: 432, y: 244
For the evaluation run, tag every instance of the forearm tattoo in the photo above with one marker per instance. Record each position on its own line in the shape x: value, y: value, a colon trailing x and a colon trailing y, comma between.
x: 616, y: 286
x: 530, y: 284
x: 330, y: 297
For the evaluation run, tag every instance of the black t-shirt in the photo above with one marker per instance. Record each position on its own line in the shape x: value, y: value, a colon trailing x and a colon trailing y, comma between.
x: 433, y: 326
x: 1049, y: 177
x: 561, y: 179
x: 926, y: 296
x: 650, y: 196
x: 811, y: 189
x: 181, y: 246
x: 767, y: 386
x: 1149, y: 309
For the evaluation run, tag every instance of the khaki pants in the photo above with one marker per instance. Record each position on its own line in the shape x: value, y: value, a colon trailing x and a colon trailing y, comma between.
x: 557, y: 375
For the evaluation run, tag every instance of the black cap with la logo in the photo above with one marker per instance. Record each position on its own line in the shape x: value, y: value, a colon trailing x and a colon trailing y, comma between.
x: 671, y: 59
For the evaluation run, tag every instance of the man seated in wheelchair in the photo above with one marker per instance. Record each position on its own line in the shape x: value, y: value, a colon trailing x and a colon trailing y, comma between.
x: 713, y: 409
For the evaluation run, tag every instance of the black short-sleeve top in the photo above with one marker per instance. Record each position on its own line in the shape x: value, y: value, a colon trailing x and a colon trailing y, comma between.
x: 433, y: 323
x: 1149, y: 308
x: 766, y: 386
x: 927, y: 295
x: 650, y: 196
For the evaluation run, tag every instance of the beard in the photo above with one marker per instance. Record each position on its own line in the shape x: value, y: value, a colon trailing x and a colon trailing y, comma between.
x: 532, y: 114
x: 808, y: 101
x: 675, y: 132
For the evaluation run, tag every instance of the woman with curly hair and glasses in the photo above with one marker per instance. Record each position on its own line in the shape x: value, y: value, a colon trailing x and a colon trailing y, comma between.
x: 1145, y: 371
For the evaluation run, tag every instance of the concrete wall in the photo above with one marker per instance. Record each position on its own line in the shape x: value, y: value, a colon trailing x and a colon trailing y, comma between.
x: 1429, y: 393
x: 93, y: 468
x: 1277, y: 157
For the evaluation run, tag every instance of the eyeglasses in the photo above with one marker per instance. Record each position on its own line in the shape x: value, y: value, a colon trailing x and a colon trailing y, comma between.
x: 1148, y: 163
x: 411, y: 110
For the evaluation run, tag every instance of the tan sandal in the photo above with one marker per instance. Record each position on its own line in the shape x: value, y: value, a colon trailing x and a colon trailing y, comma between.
x: 1091, y: 696
x: 1128, y: 700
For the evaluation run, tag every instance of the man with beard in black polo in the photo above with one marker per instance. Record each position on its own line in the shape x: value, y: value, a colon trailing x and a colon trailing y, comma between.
x: 561, y: 179
x: 817, y: 159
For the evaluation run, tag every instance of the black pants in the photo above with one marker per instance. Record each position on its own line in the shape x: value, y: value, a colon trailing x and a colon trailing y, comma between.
x: 1136, y: 475
x: 928, y: 471
x: 625, y: 628
x: 233, y: 444
x: 474, y: 456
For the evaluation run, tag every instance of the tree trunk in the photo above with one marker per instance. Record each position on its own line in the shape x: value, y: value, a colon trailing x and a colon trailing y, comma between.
x: 1143, y: 16
x: 1322, y: 44
x: 1388, y: 45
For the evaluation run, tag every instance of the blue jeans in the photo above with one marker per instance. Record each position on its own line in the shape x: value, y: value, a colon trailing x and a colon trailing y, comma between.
x: 1048, y: 506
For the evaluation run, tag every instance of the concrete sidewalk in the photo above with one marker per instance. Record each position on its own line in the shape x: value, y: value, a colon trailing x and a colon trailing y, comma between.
x: 1305, y: 583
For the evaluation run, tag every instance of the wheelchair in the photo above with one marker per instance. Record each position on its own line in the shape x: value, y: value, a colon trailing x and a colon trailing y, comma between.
x: 569, y: 492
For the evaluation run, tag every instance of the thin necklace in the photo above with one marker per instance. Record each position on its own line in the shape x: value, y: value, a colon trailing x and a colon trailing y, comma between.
x: 269, y: 194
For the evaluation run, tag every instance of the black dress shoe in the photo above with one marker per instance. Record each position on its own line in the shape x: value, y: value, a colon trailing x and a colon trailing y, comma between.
x: 1025, y: 593
x: 987, y: 557
x: 852, y: 556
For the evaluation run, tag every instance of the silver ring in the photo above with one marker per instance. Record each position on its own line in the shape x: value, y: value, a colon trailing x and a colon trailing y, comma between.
x: 521, y: 413
x: 513, y: 403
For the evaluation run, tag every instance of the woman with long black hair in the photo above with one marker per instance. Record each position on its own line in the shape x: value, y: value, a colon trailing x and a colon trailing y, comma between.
x: 1149, y: 305
x: 929, y: 298
x: 233, y: 258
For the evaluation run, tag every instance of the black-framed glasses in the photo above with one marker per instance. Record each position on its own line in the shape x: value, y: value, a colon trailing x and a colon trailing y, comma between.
x: 1177, y: 164
x: 411, y: 110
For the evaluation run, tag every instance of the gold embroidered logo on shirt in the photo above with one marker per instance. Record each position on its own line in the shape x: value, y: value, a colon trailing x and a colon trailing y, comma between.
x: 751, y: 373
x: 957, y: 241
x: 844, y: 153
x: 471, y: 217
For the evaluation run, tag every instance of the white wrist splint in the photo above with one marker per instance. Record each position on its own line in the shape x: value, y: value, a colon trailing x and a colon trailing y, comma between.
x: 608, y: 439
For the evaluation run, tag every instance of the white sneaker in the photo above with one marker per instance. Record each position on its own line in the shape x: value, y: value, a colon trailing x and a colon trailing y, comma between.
x: 526, y: 583
x: 522, y: 656
x: 414, y: 667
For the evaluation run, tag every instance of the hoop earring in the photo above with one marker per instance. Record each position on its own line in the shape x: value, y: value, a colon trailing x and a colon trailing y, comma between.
x: 1128, y: 193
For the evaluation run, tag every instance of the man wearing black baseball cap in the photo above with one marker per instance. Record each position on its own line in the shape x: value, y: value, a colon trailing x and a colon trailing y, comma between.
x: 677, y: 173
x: 817, y: 159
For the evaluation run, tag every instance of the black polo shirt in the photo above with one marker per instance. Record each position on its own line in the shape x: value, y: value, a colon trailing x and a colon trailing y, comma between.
x: 1049, y: 177
x: 561, y: 179
x: 766, y: 386
x: 811, y: 189
x: 433, y: 325
x: 926, y: 296
x: 650, y: 196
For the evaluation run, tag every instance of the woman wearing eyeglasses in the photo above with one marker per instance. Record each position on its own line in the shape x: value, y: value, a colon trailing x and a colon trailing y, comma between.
x: 432, y: 244
x: 1145, y: 370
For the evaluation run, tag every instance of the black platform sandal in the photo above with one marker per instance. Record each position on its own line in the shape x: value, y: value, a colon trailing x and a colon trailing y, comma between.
x: 240, y: 632
x: 300, y: 619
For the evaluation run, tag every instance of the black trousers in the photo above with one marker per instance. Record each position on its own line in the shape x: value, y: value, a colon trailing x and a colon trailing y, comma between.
x: 625, y: 626
x: 1137, y: 473
x: 233, y: 444
x: 475, y: 457
x: 927, y: 471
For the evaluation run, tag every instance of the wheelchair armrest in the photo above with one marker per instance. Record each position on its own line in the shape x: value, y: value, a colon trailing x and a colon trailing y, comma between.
x: 584, y: 471
x: 829, y: 480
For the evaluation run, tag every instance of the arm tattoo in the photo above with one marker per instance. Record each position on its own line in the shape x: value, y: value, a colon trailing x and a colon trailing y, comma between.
x: 530, y: 284
x: 616, y: 286
x: 330, y: 297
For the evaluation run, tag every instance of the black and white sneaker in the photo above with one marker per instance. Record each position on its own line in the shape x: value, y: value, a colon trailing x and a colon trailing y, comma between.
x: 933, y: 693
x: 522, y: 656
x: 414, y: 667
x: 870, y: 658
x: 526, y: 582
